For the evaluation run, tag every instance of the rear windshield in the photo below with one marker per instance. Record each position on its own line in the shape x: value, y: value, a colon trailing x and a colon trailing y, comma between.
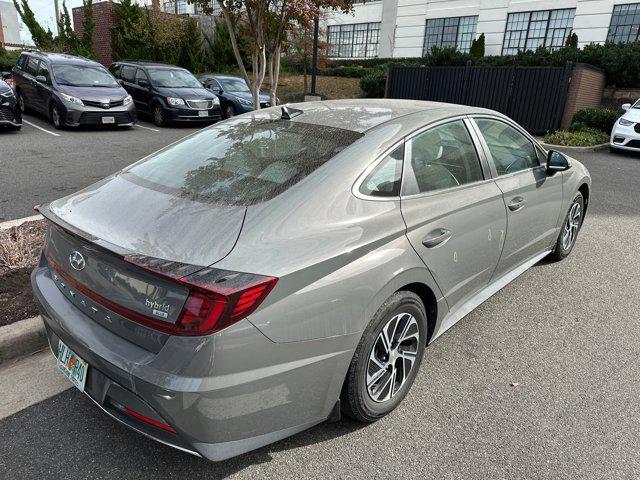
x: 241, y: 162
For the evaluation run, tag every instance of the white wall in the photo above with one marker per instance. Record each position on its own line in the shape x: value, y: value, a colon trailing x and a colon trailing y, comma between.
x: 591, y: 22
x: 10, y: 24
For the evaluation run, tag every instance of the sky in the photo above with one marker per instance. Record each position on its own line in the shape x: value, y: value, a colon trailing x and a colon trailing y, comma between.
x: 45, y: 14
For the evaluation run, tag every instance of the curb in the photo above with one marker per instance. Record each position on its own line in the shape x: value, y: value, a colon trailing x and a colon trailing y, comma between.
x: 22, y: 338
x: 19, y: 221
x: 594, y: 148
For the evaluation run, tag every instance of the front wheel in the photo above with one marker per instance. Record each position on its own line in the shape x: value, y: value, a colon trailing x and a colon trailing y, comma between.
x: 570, y: 228
x: 229, y: 111
x: 159, y: 117
x: 56, y: 119
x: 387, y: 358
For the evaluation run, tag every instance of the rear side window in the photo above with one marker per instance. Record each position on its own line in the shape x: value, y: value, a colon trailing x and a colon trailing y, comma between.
x: 510, y: 150
x: 384, y: 180
x: 115, y: 70
x: 242, y: 162
x: 127, y: 73
x: 443, y: 157
x: 22, y: 60
x: 32, y: 66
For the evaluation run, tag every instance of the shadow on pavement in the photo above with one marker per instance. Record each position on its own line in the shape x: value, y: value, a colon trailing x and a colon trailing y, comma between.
x: 67, y: 436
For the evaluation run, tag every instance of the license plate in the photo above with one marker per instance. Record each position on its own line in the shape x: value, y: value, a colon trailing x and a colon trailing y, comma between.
x: 108, y: 119
x: 72, y: 366
x: 203, y: 113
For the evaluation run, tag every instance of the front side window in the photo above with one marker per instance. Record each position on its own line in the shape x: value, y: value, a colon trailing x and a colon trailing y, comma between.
x: 83, y: 76
x: 443, y: 157
x: 127, y: 73
x: 32, y: 66
x: 542, y: 28
x: 359, y: 40
x: 173, y: 78
x: 453, y: 32
x: 141, y: 76
x: 234, y: 85
x: 385, y: 179
x: 625, y: 23
x: 44, y: 71
x: 241, y: 162
x: 510, y: 150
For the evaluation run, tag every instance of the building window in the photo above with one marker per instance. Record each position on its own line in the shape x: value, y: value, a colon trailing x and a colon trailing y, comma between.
x: 543, y: 28
x: 357, y: 40
x: 213, y: 4
x: 453, y: 32
x: 625, y: 23
x: 170, y: 7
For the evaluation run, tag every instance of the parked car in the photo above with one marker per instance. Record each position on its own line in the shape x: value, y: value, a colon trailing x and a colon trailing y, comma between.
x: 625, y: 134
x: 7, y: 77
x: 71, y: 90
x: 234, y: 94
x: 168, y: 93
x: 10, y: 115
x: 277, y: 269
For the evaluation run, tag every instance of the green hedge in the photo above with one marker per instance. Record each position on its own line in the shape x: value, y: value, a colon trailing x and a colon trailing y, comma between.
x: 8, y: 58
x: 595, y: 118
x: 585, y: 137
x: 373, y: 83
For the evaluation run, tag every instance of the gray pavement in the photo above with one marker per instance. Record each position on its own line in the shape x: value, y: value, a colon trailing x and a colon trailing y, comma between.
x: 541, y: 382
x: 40, y: 164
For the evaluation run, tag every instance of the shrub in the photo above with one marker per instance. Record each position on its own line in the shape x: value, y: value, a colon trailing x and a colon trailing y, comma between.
x: 597, y: 118
x: 373, y: 83
x: 477, y: 47
x: 343, y: 71
x: 587, y: 137
x: 8, y: 58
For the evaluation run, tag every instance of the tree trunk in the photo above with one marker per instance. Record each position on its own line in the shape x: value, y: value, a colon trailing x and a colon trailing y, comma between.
x: 274, y: 72
x: 304, y: 75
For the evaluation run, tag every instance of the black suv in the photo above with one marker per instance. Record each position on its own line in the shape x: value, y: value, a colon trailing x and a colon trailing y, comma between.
x: 10, y: 115
x: 71, y: 90
x: 168, y: 93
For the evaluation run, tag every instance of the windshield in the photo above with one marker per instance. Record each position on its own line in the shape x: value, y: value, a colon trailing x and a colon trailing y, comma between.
x: 173, y: 78
x: 84, y: 76
x: 233, y: 84
x: 636, y: 105
x: 241, y: 162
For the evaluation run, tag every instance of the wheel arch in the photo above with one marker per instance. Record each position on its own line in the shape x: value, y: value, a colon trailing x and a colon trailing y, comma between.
x: 429, y: 301
x: 584, y: 190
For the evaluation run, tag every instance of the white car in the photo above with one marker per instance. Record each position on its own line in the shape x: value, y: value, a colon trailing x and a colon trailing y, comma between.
x: 626, y: 131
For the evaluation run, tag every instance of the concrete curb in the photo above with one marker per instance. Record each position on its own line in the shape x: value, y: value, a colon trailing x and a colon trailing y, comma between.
x: 19, y: 221
x: 22, y: 338
x: 595, y: 148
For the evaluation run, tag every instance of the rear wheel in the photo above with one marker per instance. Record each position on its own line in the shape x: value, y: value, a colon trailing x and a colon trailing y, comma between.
x: 570, y: 229
x: 387, y: 358
x: 159, y: 117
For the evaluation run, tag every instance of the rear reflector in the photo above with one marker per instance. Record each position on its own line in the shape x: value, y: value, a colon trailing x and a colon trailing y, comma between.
x: 148, y: 420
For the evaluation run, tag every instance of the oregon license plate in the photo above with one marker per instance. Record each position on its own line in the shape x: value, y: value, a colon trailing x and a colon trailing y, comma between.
x: 203, y: 113
x: 72, y: 366
x: 108, y: 119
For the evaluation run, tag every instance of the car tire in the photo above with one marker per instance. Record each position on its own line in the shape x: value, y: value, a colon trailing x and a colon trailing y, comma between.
x: 56, y: 118
x: 21, y: 103
x: 573, y: 221
x: 159, y: 117
x: 16, y: 129
x: 613, y: 149
x: 229, y: 111
x: 366, y: 394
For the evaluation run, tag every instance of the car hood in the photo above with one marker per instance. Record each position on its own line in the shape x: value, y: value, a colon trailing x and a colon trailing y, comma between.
x: 186, y: 93
x: 247, y: 96
x: 633, y: 115
x: 96, y: 94
x: 126, y: 216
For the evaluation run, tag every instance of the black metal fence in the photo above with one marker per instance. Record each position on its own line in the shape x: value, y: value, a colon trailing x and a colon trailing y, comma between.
x: 532, y: 96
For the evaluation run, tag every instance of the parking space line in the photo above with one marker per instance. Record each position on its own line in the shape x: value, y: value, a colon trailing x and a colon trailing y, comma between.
x: 40, y: 128
x: 147, y: 128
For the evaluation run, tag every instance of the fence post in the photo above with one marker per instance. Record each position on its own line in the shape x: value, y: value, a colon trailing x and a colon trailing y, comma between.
x: 564, y: 92
x: 388, y: 80
x: 464, y: 100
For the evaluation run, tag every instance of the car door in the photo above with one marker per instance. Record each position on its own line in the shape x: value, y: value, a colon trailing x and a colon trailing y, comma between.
x: 28, y: 86
x: 453, y: 209
x: 43, y: 90
x: 532, y: 198
x: 127, y: 75
x: 143, y: 89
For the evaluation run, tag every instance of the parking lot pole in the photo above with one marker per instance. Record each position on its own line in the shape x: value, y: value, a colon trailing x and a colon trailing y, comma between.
x: 314, y: 59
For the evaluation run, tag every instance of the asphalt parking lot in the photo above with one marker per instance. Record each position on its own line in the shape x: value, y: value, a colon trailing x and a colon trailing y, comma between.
x: 41, y: 164
x: 542, y: 381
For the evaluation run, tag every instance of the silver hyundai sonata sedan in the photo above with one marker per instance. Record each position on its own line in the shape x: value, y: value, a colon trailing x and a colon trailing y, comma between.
x: 272, y: 271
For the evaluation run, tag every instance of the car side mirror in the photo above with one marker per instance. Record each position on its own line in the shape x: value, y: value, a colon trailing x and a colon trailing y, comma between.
x: 626, y: 106
x: 556, y: 162
x: 41, y: 79
x: 6, y: 75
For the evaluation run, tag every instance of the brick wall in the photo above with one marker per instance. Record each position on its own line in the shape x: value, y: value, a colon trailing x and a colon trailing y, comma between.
x: 103, y: 16
x: 585, y: 91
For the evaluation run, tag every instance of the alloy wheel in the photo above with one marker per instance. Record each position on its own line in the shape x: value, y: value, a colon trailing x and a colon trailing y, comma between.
x: 158, y: 116
x: 572, y: 225
x: 55, y: 117
x: 230, y: 111
x: 392, y: 357
x: 21, y: 104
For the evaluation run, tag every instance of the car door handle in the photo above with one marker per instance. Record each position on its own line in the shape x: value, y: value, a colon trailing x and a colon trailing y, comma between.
x: 517, y: 204
x: 437, y: 237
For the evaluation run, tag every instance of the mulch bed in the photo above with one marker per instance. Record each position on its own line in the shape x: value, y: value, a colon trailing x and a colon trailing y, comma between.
x: 19, y: 252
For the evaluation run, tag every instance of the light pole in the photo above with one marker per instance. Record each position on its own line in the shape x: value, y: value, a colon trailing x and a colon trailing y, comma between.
x: 57, y: 9
x: 314, y: 58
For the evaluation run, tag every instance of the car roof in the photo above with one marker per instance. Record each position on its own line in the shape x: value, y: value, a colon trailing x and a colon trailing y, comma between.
x: 60, y: 57
x: 361, y: 115
x: 142, y: 63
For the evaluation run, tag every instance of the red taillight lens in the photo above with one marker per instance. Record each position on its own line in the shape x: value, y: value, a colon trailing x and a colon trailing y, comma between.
x: 148, y: 420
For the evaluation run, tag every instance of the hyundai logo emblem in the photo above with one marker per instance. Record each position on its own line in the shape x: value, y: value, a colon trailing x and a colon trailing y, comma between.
x: 76, y: 260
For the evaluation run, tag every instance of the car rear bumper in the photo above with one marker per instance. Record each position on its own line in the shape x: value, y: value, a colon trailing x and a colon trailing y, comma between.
x: 122, y: 116
x: 223, y: 394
